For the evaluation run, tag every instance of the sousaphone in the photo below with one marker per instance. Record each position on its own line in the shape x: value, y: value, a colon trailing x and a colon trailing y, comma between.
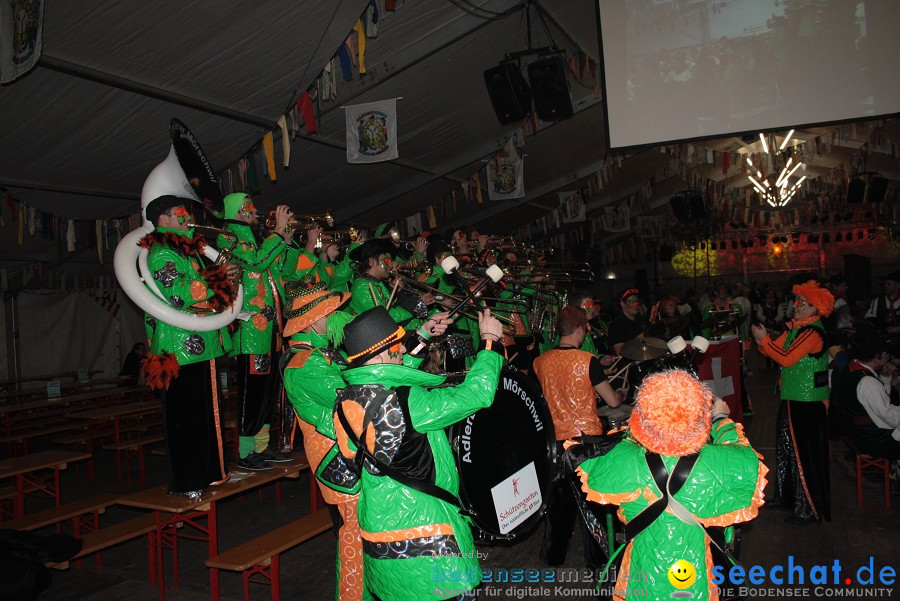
x: 186, y: 173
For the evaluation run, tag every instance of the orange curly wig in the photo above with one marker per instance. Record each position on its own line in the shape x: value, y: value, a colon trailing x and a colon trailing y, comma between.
x: 815, y: 295
x: 672, y: 413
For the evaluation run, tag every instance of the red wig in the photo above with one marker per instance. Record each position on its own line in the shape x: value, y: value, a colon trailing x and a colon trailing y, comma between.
x: 815, y: 295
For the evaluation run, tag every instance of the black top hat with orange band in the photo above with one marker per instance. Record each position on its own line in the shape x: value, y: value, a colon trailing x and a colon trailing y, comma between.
x: 369, y: 333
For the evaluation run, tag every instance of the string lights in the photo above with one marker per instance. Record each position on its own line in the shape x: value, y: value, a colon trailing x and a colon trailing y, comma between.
x: 779, y: 193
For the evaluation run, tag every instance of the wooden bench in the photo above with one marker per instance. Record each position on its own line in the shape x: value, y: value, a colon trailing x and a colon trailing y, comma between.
x: 109, y: 536
x: 7, y: 502
x: 24, y: 437
x: 134, y: 449
x: 261, y: 554
x: 83, y: 513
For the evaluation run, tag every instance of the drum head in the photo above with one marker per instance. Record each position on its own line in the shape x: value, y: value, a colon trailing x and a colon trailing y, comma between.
x: 506, y: 457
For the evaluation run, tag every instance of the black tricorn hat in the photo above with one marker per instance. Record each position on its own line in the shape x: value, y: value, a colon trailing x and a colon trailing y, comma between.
x: 894, y: 275
x: 372, y: 248
x: 369, y: 333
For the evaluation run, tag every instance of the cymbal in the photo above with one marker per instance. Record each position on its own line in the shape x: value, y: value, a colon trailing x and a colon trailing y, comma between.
x: 642, y: 349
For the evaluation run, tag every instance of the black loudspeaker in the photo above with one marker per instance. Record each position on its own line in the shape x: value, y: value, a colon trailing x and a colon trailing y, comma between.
x: 858, y: 270
x: 698, y: 206
x: 509, y: 92
x: 640, y: 282
x: 550, y: 88
x: 856, y: 190
x: 877, y: 189
x: 680, y: 207
x: 666, y: 252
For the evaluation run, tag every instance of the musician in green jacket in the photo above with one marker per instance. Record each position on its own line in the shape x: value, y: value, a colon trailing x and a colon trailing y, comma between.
x: 257, y: 342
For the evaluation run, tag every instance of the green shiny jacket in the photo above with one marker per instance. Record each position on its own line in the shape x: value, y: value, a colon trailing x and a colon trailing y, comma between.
x: 386, y: 505
x: 260, y: 277
x: 313, y: 388
x: 176, y: 277
x: 724, y: 487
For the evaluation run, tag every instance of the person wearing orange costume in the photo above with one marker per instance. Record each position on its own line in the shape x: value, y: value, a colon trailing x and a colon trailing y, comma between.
x: 311, y: 378
x: 570, y: 378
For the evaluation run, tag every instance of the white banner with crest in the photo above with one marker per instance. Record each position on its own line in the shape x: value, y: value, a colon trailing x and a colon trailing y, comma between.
x: 505, y: 179
x: 372, y: 131
x: 21, y: 27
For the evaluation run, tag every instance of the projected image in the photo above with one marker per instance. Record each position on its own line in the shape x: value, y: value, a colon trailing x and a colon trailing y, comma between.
x: 678, y: 69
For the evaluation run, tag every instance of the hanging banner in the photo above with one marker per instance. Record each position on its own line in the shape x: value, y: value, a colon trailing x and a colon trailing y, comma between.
x: 21, y: 28
x: 617, y: 219
x: 571, y: 206
x: 505, y: 179
x: 372, y: 132
x: 650, y: 227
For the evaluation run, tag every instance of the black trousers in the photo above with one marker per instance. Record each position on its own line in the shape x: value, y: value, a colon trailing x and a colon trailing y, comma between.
x: 802, y: 479
x: 562, y: 517
x: 256, y: 395
x: 193, y: 429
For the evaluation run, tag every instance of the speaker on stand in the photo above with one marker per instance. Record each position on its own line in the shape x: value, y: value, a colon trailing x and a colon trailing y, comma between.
x: 509, y: 92
x: 550, y: 88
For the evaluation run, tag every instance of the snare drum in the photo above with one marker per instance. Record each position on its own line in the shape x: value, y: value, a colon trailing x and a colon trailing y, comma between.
x: 506, y: 458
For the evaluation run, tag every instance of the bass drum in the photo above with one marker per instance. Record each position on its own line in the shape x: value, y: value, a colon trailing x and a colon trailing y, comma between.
x: 506, y: 458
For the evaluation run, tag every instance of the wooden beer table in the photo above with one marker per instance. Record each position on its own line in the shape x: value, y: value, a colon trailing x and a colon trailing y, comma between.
x: 25, y: 469
x: 174, y: 509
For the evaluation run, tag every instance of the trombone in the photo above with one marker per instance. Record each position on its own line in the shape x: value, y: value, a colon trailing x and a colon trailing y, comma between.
x: 351, y: 232
x: 440, y: 295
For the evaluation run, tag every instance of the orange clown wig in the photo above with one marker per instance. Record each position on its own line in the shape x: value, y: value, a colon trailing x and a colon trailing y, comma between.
x: 815, y: 295
x: 672, y: 413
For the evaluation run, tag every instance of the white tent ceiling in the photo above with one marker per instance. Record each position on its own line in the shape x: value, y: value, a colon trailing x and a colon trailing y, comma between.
x: 84, y: 128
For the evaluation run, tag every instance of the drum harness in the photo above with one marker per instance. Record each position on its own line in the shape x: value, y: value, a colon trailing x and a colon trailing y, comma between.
x: 363, y: 453
x: 667, y: 483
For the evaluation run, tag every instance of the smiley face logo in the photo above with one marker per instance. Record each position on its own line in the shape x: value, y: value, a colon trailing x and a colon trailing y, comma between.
x: 682, y: 574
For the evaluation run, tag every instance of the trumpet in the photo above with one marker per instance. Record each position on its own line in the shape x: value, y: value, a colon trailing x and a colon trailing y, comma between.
x: 394, y: 234
x: 298, y: 222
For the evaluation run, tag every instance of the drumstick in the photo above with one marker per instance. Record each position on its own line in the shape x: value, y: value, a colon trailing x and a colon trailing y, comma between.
x: 372, y: 290
x: 615, y: 362
x: 393, y: 292
x: 511, y: 359
x: 618, y: 373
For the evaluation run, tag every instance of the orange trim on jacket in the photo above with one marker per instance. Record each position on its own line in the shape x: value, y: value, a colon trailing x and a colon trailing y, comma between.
x: 807, y: 343
x: 393, y: 536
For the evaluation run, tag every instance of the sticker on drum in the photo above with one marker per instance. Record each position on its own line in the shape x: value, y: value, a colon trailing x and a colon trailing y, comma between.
x: 506, y: 458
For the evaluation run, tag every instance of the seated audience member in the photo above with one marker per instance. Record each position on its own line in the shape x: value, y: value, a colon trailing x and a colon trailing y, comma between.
x: 131, y: 367
x: 863, y: 399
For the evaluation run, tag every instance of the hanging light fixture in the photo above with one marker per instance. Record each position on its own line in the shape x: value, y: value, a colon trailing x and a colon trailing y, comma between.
x: 779, y: 193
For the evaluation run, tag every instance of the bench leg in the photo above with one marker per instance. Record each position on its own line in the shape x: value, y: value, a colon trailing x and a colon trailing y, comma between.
x: 274, y: 580
x: 151, y: 555
x: 269, y: 574
x: 142, y: 467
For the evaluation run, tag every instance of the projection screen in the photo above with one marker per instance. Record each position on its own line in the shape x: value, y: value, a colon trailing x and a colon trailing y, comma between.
x: 682, y: 69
